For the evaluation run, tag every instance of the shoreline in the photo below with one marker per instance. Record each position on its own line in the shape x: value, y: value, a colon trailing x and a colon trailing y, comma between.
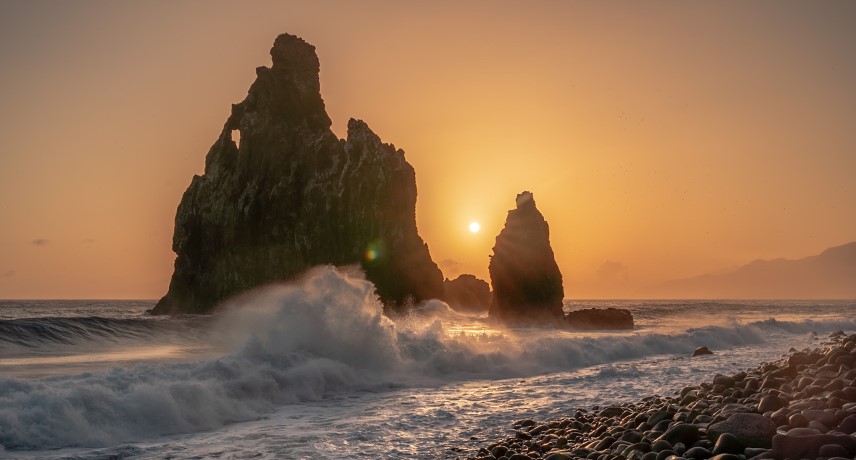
x: 802, y: 406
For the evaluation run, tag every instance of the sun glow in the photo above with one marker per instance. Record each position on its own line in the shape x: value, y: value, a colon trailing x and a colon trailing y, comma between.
x: 474, y: 227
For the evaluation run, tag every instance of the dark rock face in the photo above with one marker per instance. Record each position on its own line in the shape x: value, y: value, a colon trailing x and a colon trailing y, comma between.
x: 750, y: 430
x: 701, y: 351
x: 600, y: 318
x: 467, y: 292
x: 527, y: 284
x: 292, y: 196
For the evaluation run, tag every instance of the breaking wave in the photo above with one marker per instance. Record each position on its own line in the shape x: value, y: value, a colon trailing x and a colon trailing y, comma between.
x: 322, y: 335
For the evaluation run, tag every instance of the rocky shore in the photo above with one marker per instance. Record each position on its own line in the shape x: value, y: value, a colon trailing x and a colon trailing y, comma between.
x: 803, y: 406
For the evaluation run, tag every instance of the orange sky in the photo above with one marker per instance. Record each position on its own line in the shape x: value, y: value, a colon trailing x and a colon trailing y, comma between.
x: 670, y: 139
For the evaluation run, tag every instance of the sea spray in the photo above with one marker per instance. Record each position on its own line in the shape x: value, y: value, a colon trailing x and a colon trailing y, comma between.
x: 326, y: 314
x: 301, y: 343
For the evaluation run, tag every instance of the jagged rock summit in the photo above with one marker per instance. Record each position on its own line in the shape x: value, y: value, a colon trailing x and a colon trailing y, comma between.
x: 291, y: 195
x: 527, y: 283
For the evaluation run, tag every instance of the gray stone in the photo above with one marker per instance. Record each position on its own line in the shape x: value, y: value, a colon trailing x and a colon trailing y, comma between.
x: 833, y: 450
x: 724, y: 380
x: 814, y: 424
x: 821, y: 416
x: 802, y: 431
x: 751, y: 452
x: 725, y: 457
x: 499, y: 451
x: 658, y: 417
x: 681, y: 433
x: 612, y: 411
x: 734, y: 408
x: 792, y: 446
x: 797, y: 421
x: 560, y: 456
x: 770, y: 403
x: 727, y: 443
x: 660, y: 445
x: 698, y: 453
x: 631, y: 436
x: 750, y: 430
x: 848, y: 425
x: 701, y: 351
x: 663, y: 455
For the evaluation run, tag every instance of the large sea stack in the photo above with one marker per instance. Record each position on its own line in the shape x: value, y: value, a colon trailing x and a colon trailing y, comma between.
x: 290, y: 195
x: 527, y: 283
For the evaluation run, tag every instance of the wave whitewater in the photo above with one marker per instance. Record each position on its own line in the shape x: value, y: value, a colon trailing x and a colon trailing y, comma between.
x: 322, y: 335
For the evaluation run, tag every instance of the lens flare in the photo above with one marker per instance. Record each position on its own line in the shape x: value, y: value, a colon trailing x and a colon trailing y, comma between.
x: 374, y: 251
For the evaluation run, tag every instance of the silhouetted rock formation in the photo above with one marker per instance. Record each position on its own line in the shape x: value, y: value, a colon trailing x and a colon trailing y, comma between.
x: 292, y: 196
x: 527, y: 284
x: 467, y: 292
x: 600, y: 318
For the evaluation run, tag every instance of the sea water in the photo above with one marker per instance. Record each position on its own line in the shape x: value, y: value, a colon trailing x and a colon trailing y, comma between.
x: 313, y: 369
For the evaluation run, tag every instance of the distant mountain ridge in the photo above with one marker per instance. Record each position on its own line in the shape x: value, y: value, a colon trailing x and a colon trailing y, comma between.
x: 828, y: 275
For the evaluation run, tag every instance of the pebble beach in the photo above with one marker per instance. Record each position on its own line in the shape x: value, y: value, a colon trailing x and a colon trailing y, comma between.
x: 802, y: 406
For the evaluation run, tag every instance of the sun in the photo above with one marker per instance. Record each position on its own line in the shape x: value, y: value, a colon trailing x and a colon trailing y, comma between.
x: 474, y: 227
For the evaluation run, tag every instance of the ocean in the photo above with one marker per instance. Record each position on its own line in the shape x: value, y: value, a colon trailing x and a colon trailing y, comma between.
x: 314, y: 370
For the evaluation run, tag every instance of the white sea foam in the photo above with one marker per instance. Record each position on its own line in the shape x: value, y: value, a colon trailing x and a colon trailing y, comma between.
x: 321, y: 336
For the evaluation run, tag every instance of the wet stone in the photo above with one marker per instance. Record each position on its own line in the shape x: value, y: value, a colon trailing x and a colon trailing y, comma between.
x: 770, y: 403
x: 727, y: 443
x: 520, y: 457
x: 701, y: 351
x: 824, y: 417
x: 661, y: 445
x: 751, y: 430
x: 726, y: 457
x: 683, y: 433
x: 848, y: 425
x: 724, y: 380
x: 797, y: 421
x: 697, y: 453
x: 833, y: 450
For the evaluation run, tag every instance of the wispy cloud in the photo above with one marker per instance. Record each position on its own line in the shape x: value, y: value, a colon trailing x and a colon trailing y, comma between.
x: 40, y: 241
x: 89, y: 240
x: 9, y: 274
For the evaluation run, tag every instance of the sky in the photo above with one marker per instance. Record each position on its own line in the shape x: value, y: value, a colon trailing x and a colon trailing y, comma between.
x: 661, y: 140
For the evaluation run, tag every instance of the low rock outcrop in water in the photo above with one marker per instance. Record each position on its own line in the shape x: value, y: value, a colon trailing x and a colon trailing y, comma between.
x: 599, y: 318
x: 291, y: 195
x: 702, y: 351
x: 466, y: 292
x: 527, y: 283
